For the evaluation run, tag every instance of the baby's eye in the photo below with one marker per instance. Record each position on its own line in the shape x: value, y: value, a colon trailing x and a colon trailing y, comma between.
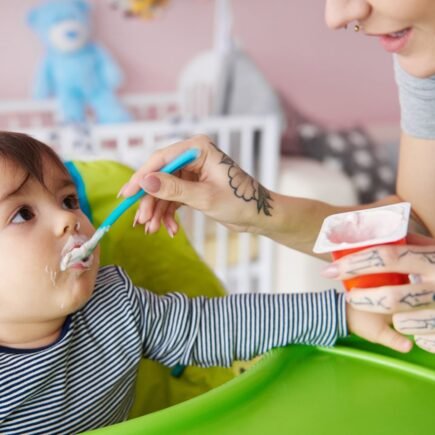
x: 71, y: 202
x: 24, y: 214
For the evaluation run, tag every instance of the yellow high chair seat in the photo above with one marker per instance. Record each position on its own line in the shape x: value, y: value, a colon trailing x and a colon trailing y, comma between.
x: 155, y: 262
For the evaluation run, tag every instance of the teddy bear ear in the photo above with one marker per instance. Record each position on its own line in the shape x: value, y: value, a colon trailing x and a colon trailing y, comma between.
x: 32, y: 18
x: 83, y: 5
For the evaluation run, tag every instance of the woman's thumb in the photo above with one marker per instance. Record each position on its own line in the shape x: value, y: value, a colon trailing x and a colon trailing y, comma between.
x: 168, y: 187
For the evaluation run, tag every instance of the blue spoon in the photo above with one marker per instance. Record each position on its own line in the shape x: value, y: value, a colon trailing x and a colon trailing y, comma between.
x: 78, y: 254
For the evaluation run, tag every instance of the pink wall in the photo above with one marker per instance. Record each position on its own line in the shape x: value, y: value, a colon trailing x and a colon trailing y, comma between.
x: 338, y: 77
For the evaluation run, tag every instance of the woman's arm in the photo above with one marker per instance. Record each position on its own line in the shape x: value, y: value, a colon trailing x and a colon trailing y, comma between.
x: 416, y: 178
x: 215, y: 185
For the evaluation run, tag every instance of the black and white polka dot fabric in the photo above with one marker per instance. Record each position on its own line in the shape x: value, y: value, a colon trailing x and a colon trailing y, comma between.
x: 352, y: 152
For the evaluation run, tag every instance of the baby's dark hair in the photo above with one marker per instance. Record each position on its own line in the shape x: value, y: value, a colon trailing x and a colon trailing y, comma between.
x: 28, y: 153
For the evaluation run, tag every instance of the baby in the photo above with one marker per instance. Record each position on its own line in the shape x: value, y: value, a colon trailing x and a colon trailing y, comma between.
x: 71, y: 342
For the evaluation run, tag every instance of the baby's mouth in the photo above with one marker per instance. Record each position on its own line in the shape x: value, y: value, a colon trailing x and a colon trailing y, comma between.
x: 74, y: 242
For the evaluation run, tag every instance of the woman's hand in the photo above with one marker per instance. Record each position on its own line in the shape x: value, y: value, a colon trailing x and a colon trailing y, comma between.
x: 412, y: 305
x: 213, y: 184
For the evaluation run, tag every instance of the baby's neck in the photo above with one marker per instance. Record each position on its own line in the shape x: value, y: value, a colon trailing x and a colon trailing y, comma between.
x: 30, y: 335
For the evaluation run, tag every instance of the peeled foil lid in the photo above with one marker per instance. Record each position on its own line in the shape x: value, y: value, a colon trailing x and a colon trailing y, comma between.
x: 361, y: 228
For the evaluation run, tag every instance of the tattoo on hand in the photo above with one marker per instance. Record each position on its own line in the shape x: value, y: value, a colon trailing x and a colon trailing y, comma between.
x: 428, y: 323
x: 420, y: 299
x: 246, y: 187
x: 371, y: 302
x: 364, y: 261
x: 426, y: 343
x: 425, y: 256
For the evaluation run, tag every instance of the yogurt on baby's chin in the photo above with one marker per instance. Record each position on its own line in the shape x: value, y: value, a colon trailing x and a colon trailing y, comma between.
x: 363, y: 228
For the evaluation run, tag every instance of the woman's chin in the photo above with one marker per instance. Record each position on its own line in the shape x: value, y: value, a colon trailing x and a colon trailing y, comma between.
x: 418, y: 67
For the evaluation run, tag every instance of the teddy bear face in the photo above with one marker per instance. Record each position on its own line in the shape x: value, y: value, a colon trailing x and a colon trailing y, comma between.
x: 68, y: 36
x: 64, y: 25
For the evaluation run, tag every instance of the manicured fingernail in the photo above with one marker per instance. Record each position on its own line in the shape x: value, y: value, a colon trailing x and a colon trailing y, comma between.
x: 174, y: 229
x: 170, y: 232
x: 136, y: 217
x: 121, y: 190
x: 147, y: 226
x: 330, y: 271
x: 150, y: 184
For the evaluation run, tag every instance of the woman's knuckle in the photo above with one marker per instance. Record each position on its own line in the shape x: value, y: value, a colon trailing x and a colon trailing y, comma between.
x: 389, y: 254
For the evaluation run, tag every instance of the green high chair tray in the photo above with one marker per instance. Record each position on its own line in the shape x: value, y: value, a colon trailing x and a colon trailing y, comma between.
x: 355, y: 388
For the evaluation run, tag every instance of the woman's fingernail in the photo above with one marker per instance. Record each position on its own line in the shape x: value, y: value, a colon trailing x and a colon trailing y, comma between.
x: 150, y: 184
x: 136, y: 217
x: 174, y: 229
x: 330, y: 271
x: 121, y: 190
x: 170, y: 232
x: 147, y: 226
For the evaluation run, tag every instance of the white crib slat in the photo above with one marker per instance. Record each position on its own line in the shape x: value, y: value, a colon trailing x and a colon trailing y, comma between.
x: 199, y: 232
x: 243, y: 275
x: 247, y: 150
x: 122, y: 146
x: 223, y: 140
x: 222, y: 253
x: 266, y: 265
x: 148, y: 145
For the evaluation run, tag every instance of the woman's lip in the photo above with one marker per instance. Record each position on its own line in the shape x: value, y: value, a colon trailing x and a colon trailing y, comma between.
x: 394, y: 44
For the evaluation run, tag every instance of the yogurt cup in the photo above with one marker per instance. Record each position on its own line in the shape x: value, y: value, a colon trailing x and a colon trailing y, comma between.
x: 345, y: 233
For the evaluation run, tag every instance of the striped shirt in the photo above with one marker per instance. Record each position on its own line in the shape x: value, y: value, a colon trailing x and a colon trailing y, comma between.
x: 86, y: 378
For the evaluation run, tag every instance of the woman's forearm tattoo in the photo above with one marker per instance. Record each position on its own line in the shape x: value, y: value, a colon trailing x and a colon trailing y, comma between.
x: 246, y: 187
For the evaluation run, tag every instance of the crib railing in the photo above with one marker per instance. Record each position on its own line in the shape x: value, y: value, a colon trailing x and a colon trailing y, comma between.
x: 15, y: 114
x: 244, y: 262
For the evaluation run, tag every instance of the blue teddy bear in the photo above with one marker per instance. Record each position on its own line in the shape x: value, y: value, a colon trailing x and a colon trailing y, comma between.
x: 75, y: 70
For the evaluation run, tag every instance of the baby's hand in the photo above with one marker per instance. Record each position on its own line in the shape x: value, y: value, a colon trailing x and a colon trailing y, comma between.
x: 376, y: 328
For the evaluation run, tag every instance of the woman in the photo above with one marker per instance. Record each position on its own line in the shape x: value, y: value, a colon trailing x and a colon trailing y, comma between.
x: 407, y: 29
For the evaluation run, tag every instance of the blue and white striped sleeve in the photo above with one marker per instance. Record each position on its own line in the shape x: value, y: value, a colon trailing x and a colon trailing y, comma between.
x: 216, y: 331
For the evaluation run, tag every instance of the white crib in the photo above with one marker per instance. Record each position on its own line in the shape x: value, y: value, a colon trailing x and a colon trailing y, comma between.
x: 244, y: 262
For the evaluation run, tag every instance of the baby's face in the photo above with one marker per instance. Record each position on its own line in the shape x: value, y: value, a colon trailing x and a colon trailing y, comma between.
x: 36, y: 222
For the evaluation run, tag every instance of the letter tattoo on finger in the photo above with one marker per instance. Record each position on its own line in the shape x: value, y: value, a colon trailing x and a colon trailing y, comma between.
x: 364, y: 261
x: 425, y: 256
x: 370, y: 302
x: 420, y: 299
x: 421, y: 324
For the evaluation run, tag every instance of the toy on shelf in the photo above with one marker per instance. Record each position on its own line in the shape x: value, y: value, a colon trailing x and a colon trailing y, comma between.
x: 146, y: 9
x: 75, y: 70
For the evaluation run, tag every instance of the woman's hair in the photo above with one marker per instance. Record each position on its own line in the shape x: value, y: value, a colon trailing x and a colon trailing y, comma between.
x: 28, y: 154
